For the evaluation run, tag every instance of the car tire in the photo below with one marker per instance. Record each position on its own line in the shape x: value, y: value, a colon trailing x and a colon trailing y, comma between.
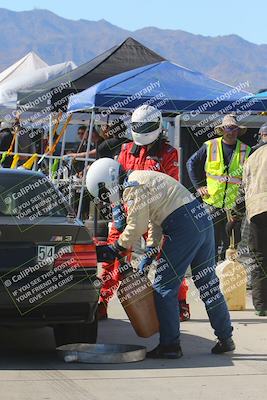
x: 76, y: 333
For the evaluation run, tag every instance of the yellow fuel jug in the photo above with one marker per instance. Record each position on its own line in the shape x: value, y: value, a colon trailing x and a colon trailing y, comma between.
x: 233, y: 280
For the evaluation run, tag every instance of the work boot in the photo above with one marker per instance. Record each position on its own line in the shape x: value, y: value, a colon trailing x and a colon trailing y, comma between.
x: 172, y: 351
x: 222, y: 346
x: 102, y: 311
x: 184, y: 311
x: 261, y: 313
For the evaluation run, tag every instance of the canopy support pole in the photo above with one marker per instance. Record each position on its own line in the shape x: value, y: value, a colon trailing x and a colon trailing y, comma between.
x: 50, y: 142
x: 16, y: 147
x: 177, y: 143
x: 92, y: 120
x: 61, y: 156
x: 178, y: 146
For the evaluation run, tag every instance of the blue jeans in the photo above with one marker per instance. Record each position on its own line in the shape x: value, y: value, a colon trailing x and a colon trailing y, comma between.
x: 188, y: 240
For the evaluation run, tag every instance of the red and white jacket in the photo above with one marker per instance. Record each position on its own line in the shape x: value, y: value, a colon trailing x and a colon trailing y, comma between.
x: 165, y: 159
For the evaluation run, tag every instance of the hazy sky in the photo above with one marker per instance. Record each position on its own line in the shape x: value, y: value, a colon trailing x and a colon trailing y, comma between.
x: 207, y: 17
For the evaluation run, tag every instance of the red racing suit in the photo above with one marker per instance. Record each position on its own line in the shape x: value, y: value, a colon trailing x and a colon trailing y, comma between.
x: 165, y: 160
x: 160, y: 157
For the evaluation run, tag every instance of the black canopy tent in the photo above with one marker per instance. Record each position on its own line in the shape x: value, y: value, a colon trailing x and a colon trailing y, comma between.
x: 54, y: 94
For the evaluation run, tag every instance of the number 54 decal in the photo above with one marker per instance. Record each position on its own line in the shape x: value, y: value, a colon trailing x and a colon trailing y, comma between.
x: 45, y: 252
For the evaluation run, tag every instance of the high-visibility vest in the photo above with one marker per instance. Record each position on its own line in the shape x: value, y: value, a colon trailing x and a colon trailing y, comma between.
x: 223, y: 182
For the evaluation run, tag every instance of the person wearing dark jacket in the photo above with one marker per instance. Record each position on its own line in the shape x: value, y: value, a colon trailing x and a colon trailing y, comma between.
x: 106, y: 144
x: 239, y: 208
x: 262, y: 138
x: 252, y: 200
x: 6, y: 137
x: 82, y: 132
x: 115, y: 137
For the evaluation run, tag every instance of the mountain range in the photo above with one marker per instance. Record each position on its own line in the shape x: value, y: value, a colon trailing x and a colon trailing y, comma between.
x: 229, y: 59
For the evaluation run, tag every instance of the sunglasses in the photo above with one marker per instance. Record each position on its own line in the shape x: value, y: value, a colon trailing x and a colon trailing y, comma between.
x: 231, y: 128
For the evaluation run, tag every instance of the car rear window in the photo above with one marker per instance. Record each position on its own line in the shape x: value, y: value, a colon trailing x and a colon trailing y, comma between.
x: 30, y: 196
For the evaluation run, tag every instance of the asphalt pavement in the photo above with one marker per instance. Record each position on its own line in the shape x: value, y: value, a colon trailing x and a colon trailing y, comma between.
x: 30, y: 370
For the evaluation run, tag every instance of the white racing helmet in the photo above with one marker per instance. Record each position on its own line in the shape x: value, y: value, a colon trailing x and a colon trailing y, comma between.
x: 146, y: 125
x: 103, y: 178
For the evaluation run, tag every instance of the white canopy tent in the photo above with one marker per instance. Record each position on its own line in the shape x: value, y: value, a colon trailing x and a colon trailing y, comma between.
x: 27, y: 73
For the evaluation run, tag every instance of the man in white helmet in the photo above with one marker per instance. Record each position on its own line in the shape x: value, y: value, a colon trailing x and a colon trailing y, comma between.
x: 158, y: 204
x: 149, y: 150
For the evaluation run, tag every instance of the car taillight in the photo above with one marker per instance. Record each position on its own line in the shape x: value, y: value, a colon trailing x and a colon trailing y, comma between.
x: 79, y: 256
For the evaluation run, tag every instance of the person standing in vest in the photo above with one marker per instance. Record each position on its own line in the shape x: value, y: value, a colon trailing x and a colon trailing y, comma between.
x: 216, y: 172
x: 149, y: 150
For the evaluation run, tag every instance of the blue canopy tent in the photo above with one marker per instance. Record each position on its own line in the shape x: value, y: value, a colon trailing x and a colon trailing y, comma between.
x: 261, y: 95
x: 169, y: 87
x: 166, y: 85
x: 258, y: 102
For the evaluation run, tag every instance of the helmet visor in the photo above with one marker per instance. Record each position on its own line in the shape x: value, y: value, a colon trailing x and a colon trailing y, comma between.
x: 103, y: 193
x: 145, y: 127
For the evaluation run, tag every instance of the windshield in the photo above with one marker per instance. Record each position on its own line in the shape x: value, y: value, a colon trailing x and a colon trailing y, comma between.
x: 30, y: 196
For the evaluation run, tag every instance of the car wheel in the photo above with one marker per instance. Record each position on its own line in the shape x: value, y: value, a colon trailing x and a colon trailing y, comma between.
x: 76, y: 333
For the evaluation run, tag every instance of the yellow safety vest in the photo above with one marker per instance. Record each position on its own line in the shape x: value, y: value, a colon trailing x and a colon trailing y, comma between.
x: 222, y: 182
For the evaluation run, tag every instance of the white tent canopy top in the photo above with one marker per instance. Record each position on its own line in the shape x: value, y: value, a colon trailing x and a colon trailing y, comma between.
x: 27, y: 73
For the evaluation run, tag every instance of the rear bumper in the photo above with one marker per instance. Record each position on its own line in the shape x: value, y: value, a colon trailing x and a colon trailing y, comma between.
x: 75, y: 303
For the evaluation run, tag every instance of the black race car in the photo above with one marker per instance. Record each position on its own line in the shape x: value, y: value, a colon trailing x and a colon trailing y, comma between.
x: 48, y: 260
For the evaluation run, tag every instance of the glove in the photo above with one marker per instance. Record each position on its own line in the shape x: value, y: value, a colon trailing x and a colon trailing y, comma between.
x: 119, y: 218
x: 230, y: 226
x: 111, y: 251
x: 149, y: 256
